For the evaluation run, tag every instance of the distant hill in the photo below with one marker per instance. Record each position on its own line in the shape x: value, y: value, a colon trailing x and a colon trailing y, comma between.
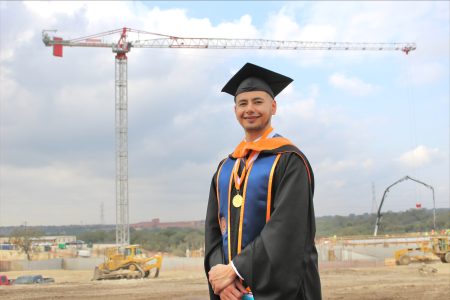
x: 60, y: 230
x: 413, y: 220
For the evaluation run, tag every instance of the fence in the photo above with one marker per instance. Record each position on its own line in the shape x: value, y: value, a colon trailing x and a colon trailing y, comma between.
x: 169, y: 263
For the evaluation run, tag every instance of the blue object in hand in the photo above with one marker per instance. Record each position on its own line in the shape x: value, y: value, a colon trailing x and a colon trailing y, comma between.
x: 248, y: 297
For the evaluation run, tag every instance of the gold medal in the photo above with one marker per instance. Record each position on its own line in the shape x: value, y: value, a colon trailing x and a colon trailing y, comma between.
x: 237, y: 200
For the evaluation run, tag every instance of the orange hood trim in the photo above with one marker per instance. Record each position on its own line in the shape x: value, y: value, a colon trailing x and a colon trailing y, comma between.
x: 263, y: 144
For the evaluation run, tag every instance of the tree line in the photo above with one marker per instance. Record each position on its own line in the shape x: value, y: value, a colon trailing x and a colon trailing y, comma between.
x: 413, y: 220
x: 177, y: 240
x: 171, y: 240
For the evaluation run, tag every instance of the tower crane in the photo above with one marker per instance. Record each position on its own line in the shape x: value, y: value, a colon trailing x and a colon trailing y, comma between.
x: 124, y: 44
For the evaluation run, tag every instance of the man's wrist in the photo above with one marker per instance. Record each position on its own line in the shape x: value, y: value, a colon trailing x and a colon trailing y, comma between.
x: 235, y: 270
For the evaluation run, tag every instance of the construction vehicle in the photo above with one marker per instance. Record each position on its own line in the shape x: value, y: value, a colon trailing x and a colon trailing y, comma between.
x: 127, y: 262
x: 33, y: 279
x: 405, y: 256
x: 4, y: 280
x: 440, y: 247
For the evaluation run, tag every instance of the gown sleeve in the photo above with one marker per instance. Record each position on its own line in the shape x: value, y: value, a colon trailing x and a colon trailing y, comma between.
x: 213, y: 236
x: 281, y: 263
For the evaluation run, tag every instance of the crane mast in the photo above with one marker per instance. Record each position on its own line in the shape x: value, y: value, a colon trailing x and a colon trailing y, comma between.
x: 121, y: 120
x: 123, y: 46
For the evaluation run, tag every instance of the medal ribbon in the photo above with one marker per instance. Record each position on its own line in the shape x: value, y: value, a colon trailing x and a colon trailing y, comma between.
x: 239, y: 179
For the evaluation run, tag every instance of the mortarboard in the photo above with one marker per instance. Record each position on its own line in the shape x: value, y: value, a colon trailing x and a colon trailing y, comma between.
x: 255, y: 78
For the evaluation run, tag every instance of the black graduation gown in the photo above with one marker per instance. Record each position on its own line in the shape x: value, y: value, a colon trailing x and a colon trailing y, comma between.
x: 281, y: 263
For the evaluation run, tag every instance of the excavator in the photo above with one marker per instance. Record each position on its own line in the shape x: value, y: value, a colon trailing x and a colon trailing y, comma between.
x: 127, y: 262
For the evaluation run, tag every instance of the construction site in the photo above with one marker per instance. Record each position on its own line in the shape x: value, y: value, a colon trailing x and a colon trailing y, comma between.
x: 383, y: 265
x: 350, y: 268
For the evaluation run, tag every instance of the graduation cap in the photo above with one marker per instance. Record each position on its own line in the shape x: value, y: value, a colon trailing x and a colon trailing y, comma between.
x: 255, y: 78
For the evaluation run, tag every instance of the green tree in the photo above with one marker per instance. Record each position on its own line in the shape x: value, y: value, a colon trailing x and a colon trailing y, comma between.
x: 98, y: 236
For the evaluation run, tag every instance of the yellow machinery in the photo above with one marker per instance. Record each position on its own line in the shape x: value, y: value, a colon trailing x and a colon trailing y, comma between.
x: 127, y: 262
x: 440, y: 247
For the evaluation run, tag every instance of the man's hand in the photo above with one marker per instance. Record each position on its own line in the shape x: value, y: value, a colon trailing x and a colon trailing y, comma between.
x: 234, y: 291
x: 221, y: 276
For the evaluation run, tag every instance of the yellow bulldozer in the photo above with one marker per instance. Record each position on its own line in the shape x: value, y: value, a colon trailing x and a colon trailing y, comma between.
x: 439, y: 246
x: 127, y: 262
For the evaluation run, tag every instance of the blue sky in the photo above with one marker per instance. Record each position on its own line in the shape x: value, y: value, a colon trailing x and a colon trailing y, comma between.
x: 361, y: 117
x: 222, y: 11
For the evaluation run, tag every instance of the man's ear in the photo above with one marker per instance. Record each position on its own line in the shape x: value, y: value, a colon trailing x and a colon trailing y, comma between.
x: 274, y: 107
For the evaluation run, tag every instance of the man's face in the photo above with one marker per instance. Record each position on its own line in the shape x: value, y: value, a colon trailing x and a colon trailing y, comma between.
x: 254, y: 111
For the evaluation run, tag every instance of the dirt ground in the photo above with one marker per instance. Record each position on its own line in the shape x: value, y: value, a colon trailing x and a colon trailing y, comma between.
x: 381, y: 283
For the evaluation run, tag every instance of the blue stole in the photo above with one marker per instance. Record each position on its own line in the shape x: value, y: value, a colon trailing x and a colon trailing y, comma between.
x: 255, y: 209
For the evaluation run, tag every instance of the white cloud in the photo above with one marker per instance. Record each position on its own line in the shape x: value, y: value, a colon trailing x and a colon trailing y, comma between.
x: 283, y: 26
x: 419, y: 156
x: 155, y: 196
x: 198, y: 114
x: 425, y: 73
x: 328, y: 165
x: 7, y: 51
x: 337, y: 184
x: 16, y: 99
x: 47, y: 9
x: 242, y: 28
x: 331, y: 166
x: 57, y: 116
x: 368, y: 163
x: 49, y: 194
x: 177, y: 23
x: 303, y: 109
x: 353, y: 85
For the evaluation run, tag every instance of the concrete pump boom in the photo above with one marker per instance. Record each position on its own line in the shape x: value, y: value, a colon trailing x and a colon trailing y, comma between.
x: 379, y: 215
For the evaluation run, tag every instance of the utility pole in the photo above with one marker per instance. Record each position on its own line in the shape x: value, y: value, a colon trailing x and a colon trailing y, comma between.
x: 374, y: 201
x: 102, y: 214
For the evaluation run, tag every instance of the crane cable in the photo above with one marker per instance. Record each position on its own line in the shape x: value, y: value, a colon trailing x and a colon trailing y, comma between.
x: 412, y: 128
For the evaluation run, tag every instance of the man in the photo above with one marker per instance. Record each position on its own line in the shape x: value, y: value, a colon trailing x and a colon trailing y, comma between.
x: 260, y: 226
